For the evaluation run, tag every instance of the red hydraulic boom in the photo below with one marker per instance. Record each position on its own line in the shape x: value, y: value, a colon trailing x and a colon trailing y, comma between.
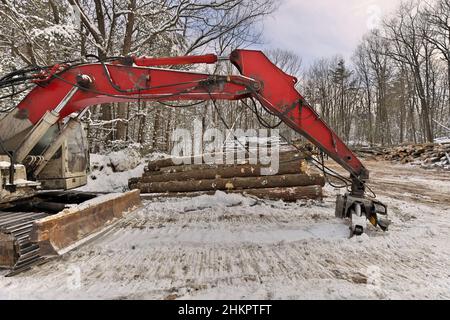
x: 65, y: 89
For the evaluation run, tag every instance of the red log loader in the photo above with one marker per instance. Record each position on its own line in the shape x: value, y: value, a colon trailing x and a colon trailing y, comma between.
x: 43, y: 145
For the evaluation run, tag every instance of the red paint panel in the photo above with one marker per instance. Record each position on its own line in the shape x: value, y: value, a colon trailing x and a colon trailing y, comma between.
x: 279, y: 94
x: 143, y: 83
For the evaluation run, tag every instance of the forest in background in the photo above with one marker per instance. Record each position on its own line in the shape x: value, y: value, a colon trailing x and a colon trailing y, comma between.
x: 394, y: 90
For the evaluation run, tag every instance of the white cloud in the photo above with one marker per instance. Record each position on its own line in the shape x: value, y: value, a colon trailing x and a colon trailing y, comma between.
x: 319, y: 28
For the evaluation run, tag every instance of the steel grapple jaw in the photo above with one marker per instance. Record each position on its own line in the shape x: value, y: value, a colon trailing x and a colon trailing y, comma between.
x: 358, y: 209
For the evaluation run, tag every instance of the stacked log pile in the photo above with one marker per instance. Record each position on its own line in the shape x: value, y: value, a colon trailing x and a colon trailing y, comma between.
x: 425, y: 155
x: 430, y: 155
x: 369, y: 151
x: 290, y: 182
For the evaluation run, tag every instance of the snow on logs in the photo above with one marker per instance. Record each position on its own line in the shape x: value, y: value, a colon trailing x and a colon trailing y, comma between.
x: 168, y: 164
x: 286, y: 194
x: 290, y: 182
x: 206, y: 172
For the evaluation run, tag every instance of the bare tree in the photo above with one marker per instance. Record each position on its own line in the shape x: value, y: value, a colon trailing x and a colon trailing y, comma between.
x: 363, y: 70
x: 406, y: 33
x: 166, y: 28
x: 286, y: 60
x: 438, y: 16
x: 36, y: 32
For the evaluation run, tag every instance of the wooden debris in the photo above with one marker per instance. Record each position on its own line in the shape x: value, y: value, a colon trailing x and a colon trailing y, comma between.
x: 285, y: 194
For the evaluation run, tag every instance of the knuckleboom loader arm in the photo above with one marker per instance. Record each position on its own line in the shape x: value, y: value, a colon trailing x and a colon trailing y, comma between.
x: 64, y: 89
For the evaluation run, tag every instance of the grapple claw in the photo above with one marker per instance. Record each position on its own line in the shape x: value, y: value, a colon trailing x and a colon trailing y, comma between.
x: 348, y: 205
x: 383, y: 224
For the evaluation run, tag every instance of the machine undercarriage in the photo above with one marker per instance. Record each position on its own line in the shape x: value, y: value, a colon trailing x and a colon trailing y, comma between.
x: 52, y: 222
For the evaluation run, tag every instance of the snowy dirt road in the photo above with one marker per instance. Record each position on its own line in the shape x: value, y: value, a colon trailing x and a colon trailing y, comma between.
x: 233, y: 247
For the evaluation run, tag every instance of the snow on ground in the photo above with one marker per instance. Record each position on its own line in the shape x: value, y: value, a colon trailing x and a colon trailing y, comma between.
x: 442, y: 140
x: 235, y: 247
x: 110, y: 173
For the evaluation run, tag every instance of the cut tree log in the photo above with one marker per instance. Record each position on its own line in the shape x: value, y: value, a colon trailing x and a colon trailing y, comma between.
x: 428, y: 155
x: 282, y: 181
x: 193, y: 167
x: 184, y: 168
x: 248, y: 170
x: 157, y: 165
x: 291, y: 194
x: 187, y: 168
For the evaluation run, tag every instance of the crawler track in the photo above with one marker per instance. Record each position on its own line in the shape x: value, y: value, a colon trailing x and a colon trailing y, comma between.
x: 19, y: 225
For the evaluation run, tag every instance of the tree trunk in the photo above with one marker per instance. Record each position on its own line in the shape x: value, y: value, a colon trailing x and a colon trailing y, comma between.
x: 448, y: 83
x: 168, y: 132
x: 223, y: 172
x: 106, y: 111
x: 123, y: 108
x: 156, y: 126
x: 369, y: 106
x: 285, y: 194
x: 283, y: 181
x: 141, y: 122
x: 425, y: 112
x: 169, y: 162
x: 55, y: 11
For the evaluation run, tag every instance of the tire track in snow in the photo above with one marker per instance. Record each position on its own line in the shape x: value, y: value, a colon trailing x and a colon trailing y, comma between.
x: 236, y: 248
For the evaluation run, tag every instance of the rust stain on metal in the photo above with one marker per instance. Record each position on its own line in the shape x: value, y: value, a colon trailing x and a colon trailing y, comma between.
x: 72, y: 225
x: 7, y: 251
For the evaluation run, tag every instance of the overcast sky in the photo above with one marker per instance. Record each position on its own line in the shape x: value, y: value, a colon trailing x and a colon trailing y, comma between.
x: 323, y: 28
